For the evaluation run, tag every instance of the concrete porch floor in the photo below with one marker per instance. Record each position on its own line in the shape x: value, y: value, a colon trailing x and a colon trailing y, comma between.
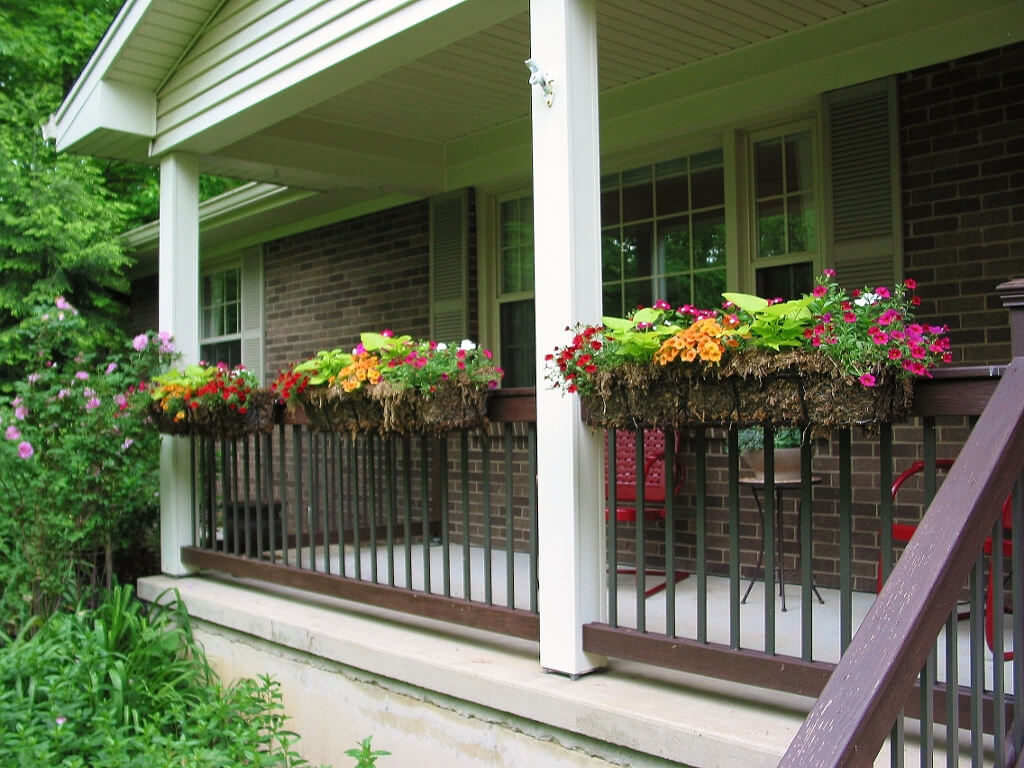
x: 826, y: 645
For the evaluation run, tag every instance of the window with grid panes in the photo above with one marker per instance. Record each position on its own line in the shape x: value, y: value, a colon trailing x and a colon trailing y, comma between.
x: 220, y: 322
x: 663, y: 234
x: 785, y: 214
x: 515, y: 292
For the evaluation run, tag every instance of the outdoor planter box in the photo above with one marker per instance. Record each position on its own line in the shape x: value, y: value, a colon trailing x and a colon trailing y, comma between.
x: 793, y: 388
x: 219, y: 421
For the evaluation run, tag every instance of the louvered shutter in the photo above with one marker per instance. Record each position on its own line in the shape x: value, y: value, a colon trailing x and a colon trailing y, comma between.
x: 449, y: 266
x: 863, y: 160
x: 252, y: 311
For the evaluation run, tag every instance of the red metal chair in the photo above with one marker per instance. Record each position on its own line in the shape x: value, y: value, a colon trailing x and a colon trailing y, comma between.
x: 654, y: 486
x: 902, y: 533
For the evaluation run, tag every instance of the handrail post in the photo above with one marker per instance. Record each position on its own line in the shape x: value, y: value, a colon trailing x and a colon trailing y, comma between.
x: 1012, y: 294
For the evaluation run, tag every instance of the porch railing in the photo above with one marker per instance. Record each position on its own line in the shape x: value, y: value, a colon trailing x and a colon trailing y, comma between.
x: 443, y: 527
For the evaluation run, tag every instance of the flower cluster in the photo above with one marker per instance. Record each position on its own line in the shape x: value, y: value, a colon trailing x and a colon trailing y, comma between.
x: 576, y: 361
x: 865, y: 332
x: 868, y: 331
x: 399, y: 361
x: 429, y: 365
x: 203, y: 386
x: 704, y: 340
x: 364, y: 369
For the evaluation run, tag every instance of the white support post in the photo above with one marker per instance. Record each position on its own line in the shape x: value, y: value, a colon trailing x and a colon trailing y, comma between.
x: 566, y: 182
x: 179, y: 314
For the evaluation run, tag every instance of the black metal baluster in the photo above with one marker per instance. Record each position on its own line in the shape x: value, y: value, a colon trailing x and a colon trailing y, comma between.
x: 510, y: 573
x: 733, y: 457
x: 845, y: 537
x: 467, y: 548
x: 670, y: 531
x: 769, y: 501
x: 701, y: 468
x: 313, y: 509
x: 407, y: 506
x: 372, y: 502
x: 426, y: 506
x: 446, y: 559
x: 388, y: 445
x: 807, y: 588
x: 641, y: 543
x: 485, y: 458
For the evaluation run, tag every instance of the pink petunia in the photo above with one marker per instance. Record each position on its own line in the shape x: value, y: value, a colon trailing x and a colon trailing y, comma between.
x: 850, y: 317
x: 895, y: 354
x: 387, y: 332
x: 911, y: 283
x: 867, y: 380
x: 13, y: 433
x: 888, y: 317
x: 829, y: 272
x: 883, y: 292
x: 25, y: 450
x: 819, y: 291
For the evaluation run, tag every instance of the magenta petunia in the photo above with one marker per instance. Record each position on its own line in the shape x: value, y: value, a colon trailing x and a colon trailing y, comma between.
x: 867, y: 380
x: 819, y: 291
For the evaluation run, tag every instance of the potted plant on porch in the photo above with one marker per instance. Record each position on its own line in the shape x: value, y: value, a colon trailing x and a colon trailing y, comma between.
x: 786, y: 453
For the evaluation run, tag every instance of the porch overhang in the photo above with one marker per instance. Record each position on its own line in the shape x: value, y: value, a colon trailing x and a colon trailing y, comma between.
x: 372, y: 99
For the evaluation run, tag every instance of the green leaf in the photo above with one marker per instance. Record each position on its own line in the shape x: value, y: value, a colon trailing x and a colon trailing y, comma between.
x: 747, y: 302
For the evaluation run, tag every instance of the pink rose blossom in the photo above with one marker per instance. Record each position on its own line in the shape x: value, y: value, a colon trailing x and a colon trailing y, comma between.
x: 62, y: 303
x: 128, y: 442
x: 20, y: 412
x: 81, y: 375
x: 25, y: 450
x: 92, y: 403
x: 139, y: 342
x: 63, y: 393
x: 13, y: 433
x: 111, y: 368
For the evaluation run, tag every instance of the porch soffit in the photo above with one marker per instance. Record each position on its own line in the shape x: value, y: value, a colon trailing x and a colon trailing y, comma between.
x: 408, y: 116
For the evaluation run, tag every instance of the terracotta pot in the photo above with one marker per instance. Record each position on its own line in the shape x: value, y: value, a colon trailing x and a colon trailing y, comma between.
x: 787, y: 463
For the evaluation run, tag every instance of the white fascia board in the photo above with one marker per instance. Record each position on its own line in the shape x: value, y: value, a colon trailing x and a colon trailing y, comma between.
x: 306, y: 68
x: 108, y: 107
x: 245, y: 201
x: 117, y: 35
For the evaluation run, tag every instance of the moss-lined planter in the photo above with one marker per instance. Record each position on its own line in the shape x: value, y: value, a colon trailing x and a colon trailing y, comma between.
x: 449, y: 407
x: 793, y: 388
x: 333, y: 410
x: 218, y: 421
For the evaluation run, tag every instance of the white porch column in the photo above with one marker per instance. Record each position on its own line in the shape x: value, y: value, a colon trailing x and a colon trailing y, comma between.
x: 566, y: 180
x: 179, y: 314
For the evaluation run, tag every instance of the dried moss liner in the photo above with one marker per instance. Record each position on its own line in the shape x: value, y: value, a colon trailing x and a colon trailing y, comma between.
x: 334, y: 410
x: 792, y: 388
x: 219, y: 421
x: 452, y: 406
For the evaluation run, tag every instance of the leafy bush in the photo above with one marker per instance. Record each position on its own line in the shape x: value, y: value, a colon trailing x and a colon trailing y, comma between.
x: 752, y: 438
x: 78, y: 464
x: 120, y: 686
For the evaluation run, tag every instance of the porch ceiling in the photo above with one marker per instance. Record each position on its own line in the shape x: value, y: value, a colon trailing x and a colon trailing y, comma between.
x: 391, y: 133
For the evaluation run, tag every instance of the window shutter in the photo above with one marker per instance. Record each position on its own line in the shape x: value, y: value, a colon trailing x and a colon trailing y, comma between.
x: 252, y: 311
x: 449, y: 266
x: 863, y: 159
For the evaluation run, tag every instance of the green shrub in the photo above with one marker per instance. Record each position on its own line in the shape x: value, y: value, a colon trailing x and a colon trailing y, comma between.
x: 122, y: 686
x: 78, y: 462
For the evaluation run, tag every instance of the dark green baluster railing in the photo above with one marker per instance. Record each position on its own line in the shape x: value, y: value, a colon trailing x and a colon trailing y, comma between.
x: 701, y: 470
x: 807, y: 586
x: 258, y: 466
x: 313, y: 505
x: 390, y: 504
x: 845, y: 537
x: 927, y: 718
x: 372, y: 515
x: 300, y: 506
x: 1017, y: 604
x: 977, y: 646
x: 268, y: 468
x: 340, y: 489
x: 611, y: 521
x: 641, y: 543
x: 407, y: 508
x: 670, y: 532
x: 510, y: 565
x: 356, y: 484
x: 425, y: 510
x: 467, y: 550
x: 769, y: 501
x: 446, y: 538
x: 733, y: 458
x: 485, y: 458
x: 233, y: 464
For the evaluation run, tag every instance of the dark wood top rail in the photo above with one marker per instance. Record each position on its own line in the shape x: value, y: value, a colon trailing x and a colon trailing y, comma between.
x: 861, y: 700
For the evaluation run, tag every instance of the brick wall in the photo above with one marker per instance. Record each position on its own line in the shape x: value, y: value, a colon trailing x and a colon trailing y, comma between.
x: 962, y: 147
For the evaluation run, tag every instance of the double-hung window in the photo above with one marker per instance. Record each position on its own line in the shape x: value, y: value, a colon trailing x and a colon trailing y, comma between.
x: 231, y: 311
x: 785, y: 211
x: 515, y: 291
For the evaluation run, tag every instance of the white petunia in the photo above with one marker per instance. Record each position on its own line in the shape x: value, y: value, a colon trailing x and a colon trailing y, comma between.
x: 866, y: 298
x: 467, y: 345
